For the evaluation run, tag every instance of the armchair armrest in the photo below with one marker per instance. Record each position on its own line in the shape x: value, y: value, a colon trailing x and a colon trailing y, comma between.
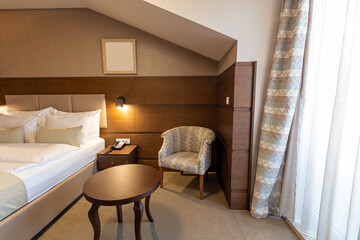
x: 167, y: 147
x: 204, y: 156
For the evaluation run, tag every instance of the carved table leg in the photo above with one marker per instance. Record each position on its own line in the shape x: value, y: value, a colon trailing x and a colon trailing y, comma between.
x: 119, y: 212
x: 138, y: 209
x: 147, y: 209
x: 95, y: 220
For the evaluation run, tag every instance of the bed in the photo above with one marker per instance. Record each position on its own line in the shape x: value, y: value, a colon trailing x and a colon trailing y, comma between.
x: 51, y: 185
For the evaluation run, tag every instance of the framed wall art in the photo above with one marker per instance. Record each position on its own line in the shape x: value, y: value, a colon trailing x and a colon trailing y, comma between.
x: 119, y: 56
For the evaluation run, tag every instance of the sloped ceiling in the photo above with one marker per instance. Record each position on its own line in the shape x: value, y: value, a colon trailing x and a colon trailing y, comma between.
x: 147, y: 17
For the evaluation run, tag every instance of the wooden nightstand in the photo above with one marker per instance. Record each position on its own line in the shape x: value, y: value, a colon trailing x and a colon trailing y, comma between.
x: 126, y: 155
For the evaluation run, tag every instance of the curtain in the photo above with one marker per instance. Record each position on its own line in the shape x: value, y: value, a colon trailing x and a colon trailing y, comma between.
x: 281, y: 99
x: 327, y: 153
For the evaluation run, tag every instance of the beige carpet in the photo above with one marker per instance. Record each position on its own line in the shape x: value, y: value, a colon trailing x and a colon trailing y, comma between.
x: 178, y: 214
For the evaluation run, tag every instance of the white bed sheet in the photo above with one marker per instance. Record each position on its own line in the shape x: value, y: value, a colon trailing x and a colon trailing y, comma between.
x: 40, y: 179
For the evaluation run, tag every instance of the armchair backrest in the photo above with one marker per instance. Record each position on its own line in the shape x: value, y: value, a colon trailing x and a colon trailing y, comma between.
x: 188, y: 138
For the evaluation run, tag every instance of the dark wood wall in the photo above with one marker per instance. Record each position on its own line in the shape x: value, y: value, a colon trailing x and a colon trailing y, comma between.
x: 234, y: 132
x: 157, y: 104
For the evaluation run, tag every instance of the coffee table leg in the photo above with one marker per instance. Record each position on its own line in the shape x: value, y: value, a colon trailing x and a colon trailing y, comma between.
x: 119, y: 212
x: 138, y: 209
x: 147, y: 208
x: 95, y: 220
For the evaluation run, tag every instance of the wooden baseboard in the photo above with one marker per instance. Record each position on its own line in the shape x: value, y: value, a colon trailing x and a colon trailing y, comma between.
x: 237, y: 199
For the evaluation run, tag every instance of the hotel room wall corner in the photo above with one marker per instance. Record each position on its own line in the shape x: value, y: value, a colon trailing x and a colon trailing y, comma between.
x: 235, y: 127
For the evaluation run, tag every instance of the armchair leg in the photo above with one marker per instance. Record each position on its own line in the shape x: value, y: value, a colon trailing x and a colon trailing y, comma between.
x: 161, y: 177
x: 201, y: 186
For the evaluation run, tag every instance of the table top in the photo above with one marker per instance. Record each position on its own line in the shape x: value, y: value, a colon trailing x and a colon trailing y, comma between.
x: 121, y: 184
x: 125, y: 151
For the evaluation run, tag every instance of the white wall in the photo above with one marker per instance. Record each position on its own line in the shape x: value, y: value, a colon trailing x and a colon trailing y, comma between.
x: 253, y: 23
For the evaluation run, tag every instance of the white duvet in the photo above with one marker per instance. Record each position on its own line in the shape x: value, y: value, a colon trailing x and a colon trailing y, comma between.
x: 16, y: 156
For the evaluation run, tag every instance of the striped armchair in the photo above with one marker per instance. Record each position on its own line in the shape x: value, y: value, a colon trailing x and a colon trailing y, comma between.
x: 187, y: 149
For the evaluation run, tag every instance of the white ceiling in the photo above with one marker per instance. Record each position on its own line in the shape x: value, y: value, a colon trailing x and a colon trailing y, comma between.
x: 147, y: 17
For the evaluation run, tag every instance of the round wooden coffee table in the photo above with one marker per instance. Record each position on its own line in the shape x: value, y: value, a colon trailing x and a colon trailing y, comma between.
x: 121, y: 185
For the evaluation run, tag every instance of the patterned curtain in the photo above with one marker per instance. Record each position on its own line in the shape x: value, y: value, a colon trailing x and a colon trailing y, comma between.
x: 281, y: 99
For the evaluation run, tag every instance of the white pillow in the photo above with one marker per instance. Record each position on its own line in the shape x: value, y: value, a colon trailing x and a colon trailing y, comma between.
x: 17, y: 113
x: 41, y: 113
x: 87, y: 122
x: 30, y: 125
x: 94, y: 120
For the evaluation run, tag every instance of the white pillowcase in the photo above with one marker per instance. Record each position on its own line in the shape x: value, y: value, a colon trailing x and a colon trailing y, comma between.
x: 30, y: 125
x: 17, y: 113
x: 90, y: 122
x: 95, y: 119
x: 41, y: 113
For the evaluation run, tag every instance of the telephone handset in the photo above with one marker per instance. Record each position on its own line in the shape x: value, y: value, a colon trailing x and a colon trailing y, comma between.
x: 118, y: 146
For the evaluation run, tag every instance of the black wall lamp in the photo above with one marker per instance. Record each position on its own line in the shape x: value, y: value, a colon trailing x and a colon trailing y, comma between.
x: 119, y: 102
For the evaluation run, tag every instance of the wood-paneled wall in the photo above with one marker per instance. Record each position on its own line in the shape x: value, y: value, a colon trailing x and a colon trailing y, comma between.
x: 234, y: 132
x: 157, y: 104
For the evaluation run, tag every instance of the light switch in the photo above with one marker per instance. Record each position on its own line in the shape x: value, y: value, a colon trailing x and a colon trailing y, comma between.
x: 227, y: 100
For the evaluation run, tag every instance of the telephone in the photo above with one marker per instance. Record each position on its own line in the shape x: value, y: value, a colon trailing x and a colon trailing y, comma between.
x: 117, y: 146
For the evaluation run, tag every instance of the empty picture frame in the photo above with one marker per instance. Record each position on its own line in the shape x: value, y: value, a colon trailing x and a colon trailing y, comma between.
x: 119, y: 56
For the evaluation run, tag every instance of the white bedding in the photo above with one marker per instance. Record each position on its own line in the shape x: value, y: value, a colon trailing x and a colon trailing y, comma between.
x: 32, y: 153
x: 40, y: 174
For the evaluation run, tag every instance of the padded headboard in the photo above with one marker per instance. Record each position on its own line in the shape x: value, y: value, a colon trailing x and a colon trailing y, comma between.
x: 62, y: 102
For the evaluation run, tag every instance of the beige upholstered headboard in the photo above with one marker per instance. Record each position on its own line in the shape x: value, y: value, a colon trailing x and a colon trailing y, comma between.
x: 62, y: 102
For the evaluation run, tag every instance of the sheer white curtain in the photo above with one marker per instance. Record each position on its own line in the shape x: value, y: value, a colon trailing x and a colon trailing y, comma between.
x: 327, y: 202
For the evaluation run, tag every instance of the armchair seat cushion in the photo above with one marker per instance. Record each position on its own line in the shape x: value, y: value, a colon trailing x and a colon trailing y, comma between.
x: 183, y: 161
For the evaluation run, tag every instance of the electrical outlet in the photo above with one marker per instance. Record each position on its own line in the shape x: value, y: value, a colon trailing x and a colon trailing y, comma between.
x: 124, y: 140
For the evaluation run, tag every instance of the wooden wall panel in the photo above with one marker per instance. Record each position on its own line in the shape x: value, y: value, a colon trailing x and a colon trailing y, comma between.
x: 234, y: 128
x: 118, y: 120
x: 155, y: 118
x: 226, y: 87
x: 155, y: 104
x: 225, y: 119
x: 243, y: 86
x: 174, y: 90
x: 239, y: 200
x: 241, y: 129
x: 239, y: 170
x: 136, y: 90
x: 160, y: 119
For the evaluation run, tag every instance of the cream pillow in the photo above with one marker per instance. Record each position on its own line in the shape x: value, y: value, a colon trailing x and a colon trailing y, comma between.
x: 12, y: 135
x: 71, y: 136
x: 30, y: 125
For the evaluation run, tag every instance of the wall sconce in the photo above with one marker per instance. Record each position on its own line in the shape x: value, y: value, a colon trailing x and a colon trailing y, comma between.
x: 120, y: 103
